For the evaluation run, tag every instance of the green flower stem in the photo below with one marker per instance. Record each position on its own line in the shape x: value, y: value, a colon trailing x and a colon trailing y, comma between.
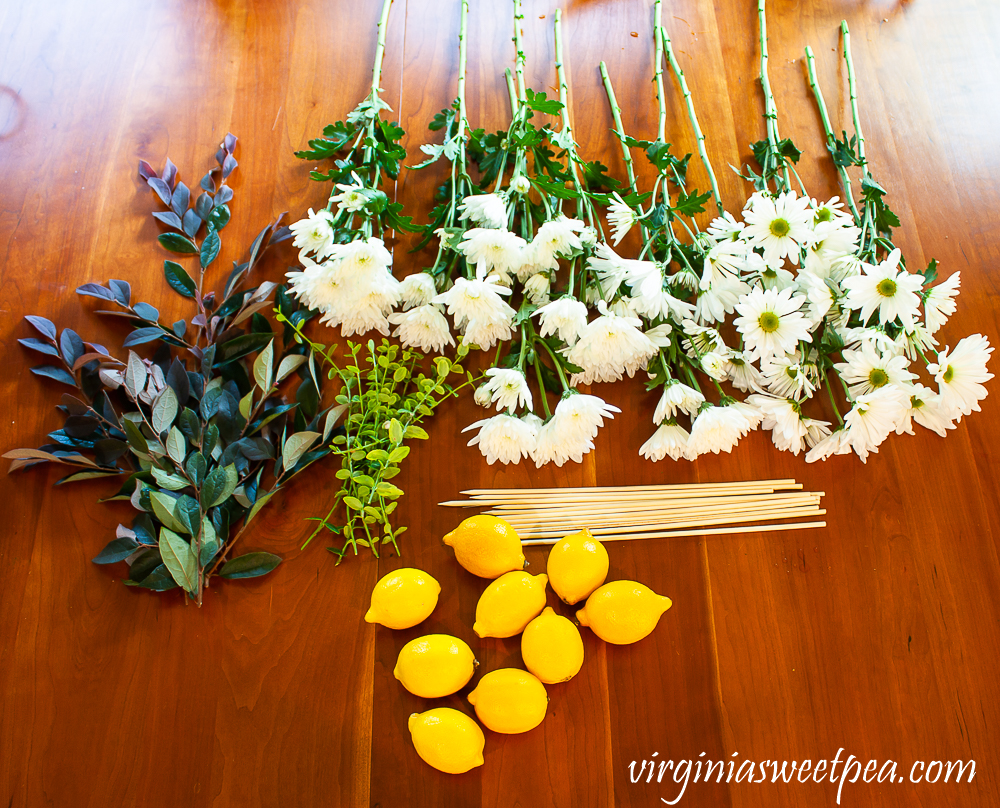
x: 845, y: 179
x: 698, y: 134
x: 463, y: 119
x: 582, y: 208
x: 833, y: 401
x: 557, y: 364
x: 665, y: 365
x: 616, y: 114
x: 658, y: 36
x: 519, y: 51
x: 380, y: 49
x: 524, y: 349
x: 853, y: 86
x: 512, y: 92
x: 770, y: 111
x: 691, y: 376
x: 541, y: 387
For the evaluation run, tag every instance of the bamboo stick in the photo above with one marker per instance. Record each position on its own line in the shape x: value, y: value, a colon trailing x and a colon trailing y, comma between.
x: 651, y: 513
x: 592, y: 488
x: 652, y: 504
x: 682, y: 533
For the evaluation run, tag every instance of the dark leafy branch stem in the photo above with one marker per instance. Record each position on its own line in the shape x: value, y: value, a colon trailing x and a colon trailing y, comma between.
x: 698, y: 134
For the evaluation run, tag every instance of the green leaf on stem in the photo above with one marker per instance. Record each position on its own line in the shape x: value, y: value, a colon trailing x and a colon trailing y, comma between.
x: 179, y: 560
x: 178, y: 279
x: 219, y: 486
x: 177, y: 243
x: 250, y: 565
x: 210, y: 247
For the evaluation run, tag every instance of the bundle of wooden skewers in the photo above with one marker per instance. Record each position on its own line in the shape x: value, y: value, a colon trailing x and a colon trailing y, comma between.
x: 544, y: 515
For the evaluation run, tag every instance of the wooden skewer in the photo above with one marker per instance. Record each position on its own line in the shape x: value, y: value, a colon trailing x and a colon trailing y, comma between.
x: 591, y: 489
x: 681, y: 533
x: 652, y: 515
x: 650, y: 496
x: 674, y: 523
x: 554, y: 511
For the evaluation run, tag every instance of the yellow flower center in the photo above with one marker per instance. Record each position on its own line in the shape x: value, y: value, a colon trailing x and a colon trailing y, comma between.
x: 878, y: 378
x: 768, y: 322
x: 780, y: 228
x: 949, y: 374
x: 886, y: 287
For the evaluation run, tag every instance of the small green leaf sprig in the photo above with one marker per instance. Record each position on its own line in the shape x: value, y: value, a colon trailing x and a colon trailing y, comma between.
x: 194, y: 428
x: 384, y: 397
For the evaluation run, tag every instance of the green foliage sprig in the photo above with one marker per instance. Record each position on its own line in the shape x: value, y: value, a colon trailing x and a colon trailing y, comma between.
x: 194, y: 428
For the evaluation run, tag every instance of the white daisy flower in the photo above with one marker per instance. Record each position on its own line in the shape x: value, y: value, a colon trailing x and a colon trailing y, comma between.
x: 537, y: 288
x: 753, y: 415
x: 352, y: 196
x: 588, y: 236
x: 775, y: 277
x: 417, y: 289
x: 875, y: 336
x: 925, y: 407
x: 714, y: 364
x: 816, y: 431
x: 620, y: 217
x: 725, y: 260
x: 476, y: 299
x: 508, y: 389
x: 660, y: 335
x: 488, y: 249
x: 960, y: 375
x: 828, y: 243
x: 701, y: 339
x: 314, y: 234
x: 720, y: 299
x: 608, y: 347
x: 789, y: 376
x: 820, y: 295
x: 504, y: 438
x: 677, y: 397
x: 887, y: 288
x: 743, y: 374
x: 565, y: 317
x: 836, y: 443
x: 489, y: 210
x: 423, y: 327
x: 771, y: 323
x: 725, y: 228
x: 668, y: 440
x: 873, y: 417
x: 783, y: 417
x: 917, y: 342
x: 779, y: 225
x: 716, y: 429
x: 940, y: 302
x: 612, y: 270
x: 867, y: 369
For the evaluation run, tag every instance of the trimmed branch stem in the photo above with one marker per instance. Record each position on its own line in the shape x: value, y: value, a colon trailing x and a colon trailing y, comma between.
x: 852, y: 84
x: 519, y: 51
x: 380, y: 48
x: 658, y: 36
x: 770, y: 110
x: 616, y: 113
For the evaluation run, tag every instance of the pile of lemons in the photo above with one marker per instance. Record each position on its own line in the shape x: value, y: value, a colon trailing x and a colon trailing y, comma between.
x: 507, y: 700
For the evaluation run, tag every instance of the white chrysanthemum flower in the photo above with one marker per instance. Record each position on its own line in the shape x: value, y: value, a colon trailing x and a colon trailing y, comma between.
x: 700, y: 339
x: 677, y: 397
x: 752, y: 414
x: 565, y: 317
x: 488, y: 249
x: 661, y: 305
x: 828, y: 243
x: 520, y: 184
x: 960, y: 375
x: 788, y: 376
x: 612, y: 270
x: 816, y: 431
x: 820, y: 295
x: 771, y: 323
x: 608, y: 347
x: 555, y: 239
x: 873, y: 417
x: 743, y: 374
x: 417, y: 289
x: 423, y: 327
x: 867, y: 369
x: 583, y: 415
x: 621, y: 218
x: 486, y: 332
x: 314, y: 234
x: 875, y: 336
x: 508, y: 389
x: 504, y: 438
x: 489, y: 210
x: 940, y: 303
x: 660, y: 335
x: 361, y: 258
x: 716, y: 429
x: 725, y: 228
x: 537, y: 288
x: 483, y: 397
x: 886, y: 288
x: 725, y: 260
x: 352, y: 195
x: 714, y: 364
x: 668, y: 440
x: 684, y: 278
x: 719, y: 299
x: 779, y: 225
x: 836, y: 443
x: 774, y: 277
x: 476, y: 300
x: 557, y: 444
x: 925, y: 408
x: 588, y: 236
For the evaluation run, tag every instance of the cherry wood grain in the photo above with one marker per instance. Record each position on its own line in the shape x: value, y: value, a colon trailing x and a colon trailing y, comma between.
x: 878, y: 635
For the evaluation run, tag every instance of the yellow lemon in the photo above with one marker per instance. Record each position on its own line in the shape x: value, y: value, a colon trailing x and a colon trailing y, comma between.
x: 403, y: 598
x: 447, y: 739
x: 623, y: 612
x: 551, y: 648
x: 577, y: 565
x: 509, y: 701
x: 434, y: 666
x: 486, y: 546
x: 509, y: 604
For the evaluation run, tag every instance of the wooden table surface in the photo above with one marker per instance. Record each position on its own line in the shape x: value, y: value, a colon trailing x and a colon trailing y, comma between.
x: 878, y: 635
